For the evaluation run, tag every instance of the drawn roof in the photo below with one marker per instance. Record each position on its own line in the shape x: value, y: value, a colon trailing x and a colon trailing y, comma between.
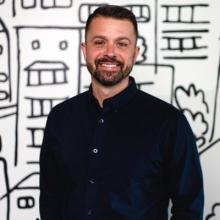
x: 47, y: 65
x: 31, y: 179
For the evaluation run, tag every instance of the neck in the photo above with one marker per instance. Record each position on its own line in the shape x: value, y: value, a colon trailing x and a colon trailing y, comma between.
x: 103, y: 92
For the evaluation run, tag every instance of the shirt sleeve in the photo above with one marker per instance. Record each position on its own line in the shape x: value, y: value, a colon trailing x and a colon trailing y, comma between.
x: 186, y: 181
x: 50, y: 195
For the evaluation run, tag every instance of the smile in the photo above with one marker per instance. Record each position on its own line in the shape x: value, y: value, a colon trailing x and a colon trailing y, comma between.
x: 108, y: 65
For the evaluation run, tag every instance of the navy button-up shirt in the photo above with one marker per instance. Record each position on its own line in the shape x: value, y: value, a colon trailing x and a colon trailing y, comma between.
x: 124, y: 161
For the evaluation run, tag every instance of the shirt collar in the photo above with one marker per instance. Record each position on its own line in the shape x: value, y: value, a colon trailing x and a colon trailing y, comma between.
x: 116, y: 102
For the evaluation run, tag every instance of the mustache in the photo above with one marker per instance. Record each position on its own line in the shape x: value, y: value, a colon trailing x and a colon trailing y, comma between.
x: 108, y: 59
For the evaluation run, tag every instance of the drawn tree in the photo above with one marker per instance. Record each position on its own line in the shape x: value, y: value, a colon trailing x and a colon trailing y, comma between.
x: 192, y: 103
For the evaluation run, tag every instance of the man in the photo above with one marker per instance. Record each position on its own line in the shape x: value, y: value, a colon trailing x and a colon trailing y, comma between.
x: 115, y: 152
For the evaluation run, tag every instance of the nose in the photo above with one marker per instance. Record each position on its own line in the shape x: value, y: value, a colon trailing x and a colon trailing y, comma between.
x: 110, y: 50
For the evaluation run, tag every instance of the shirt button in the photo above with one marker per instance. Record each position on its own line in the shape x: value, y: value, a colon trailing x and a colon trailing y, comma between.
x: 101, y: 121
x: 89, y: 212
x: 92, y: 181
x: 95, y: 150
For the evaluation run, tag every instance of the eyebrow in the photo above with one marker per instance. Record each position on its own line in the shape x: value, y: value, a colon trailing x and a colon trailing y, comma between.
x: 103, y: 37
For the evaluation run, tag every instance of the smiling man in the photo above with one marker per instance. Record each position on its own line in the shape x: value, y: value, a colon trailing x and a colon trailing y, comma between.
x: 110, y: 52
x: 115, y: 152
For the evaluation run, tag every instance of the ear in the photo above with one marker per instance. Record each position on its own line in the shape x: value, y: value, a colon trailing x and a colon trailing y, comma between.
x: 83, y: 48
x: 136, y: 52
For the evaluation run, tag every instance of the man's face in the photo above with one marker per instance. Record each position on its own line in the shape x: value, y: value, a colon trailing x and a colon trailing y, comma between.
x: 110, y: 50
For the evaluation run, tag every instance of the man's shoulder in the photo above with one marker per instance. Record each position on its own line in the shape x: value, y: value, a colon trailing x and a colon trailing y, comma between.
x: 155, y: 105
x: 73, y: 104
x: 147, y: 99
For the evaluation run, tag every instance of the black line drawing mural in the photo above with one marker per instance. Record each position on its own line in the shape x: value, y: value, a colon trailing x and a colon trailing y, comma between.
x: 215, y: 213
x: 197, y: 114
x: 4, y: 185
x: 23, y: 197
x: 37, y: 73
x: 2, y: 2
x: 184, y: 42
x: 43, y: 4
x: 5, y: 71
x: 41, y: 65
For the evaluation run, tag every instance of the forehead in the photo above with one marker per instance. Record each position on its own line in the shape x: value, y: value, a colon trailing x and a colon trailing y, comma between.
x: 111, y: 27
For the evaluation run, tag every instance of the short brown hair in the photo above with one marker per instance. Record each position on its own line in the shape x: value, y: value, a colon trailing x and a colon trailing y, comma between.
x: 113, y: 11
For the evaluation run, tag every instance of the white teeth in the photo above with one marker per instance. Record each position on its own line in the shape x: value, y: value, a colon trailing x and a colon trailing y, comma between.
x: 109, y: 65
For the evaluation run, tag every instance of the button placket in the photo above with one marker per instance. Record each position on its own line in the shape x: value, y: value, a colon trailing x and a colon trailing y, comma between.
x: 95, y: 150
x: 89, y: 212
x: 94, y: 165
x: 101, y: 121
x: 91, y: 181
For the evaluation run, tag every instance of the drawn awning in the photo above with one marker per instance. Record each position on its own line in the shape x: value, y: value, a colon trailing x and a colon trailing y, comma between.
x: 47, y: 65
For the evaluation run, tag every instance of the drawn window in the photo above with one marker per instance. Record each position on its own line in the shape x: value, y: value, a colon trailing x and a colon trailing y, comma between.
x: 182, y: 13
x: 35, y: 44
x: 3, y: 77
x: 141, y: 12
x: 26, y: 202
x: 3, y: 95
x: 1, y: 49
x: 56, y: 3
x: 46, y: 73
x: 28, y: 4
x: 40, y: 107
x: 183, y: 43
x: 85, y: 10
x: 63, y: 45
x: 36, y: 137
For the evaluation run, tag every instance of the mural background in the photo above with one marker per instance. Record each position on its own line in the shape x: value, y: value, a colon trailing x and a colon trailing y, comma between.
x: 41, y: 65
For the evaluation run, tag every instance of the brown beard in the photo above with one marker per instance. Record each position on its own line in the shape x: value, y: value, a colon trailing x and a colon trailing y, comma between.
x: 108, y: 78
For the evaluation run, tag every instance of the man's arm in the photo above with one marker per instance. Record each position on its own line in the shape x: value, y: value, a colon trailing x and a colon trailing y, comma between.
x: 186, y: 182
x: 50, y: 195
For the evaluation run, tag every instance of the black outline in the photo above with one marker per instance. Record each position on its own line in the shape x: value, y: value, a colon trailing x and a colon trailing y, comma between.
x: 215, y: 102
x: 44, y: 63
x: 26, y: 207
x: 92, y: 6
x: 29, y: 7
x: 41, y: 104
x: 7, y: 186
x: 179, y: 7
x: 140, y: 19
x: 35, y: 42
x: 6, y: 32
x: 143, y: 54
x: 186, y: 31
x: 16, y: 186
x: 33, y: 131
x: 3, y: 1
x: 212, y: 214
x: 55, y: 6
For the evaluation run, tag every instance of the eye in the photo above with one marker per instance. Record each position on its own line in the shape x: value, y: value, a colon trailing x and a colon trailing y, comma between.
x: 99, y: 43
x: 121, y: 44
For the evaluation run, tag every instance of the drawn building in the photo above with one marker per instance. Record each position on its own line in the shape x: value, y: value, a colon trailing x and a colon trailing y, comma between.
x: 23, y: 198
x: 4, y: 203
x: 216, y: 113
x: 45, y: 79
x: 5, y: 81
x: 181, y: 39
x: 40, y: 4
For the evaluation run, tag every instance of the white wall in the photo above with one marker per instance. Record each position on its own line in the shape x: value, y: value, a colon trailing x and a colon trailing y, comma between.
x: 41, y: 65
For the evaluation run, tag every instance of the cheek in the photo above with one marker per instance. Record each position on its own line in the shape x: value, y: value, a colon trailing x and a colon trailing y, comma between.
x: 92, y: 56
x: 130, y: 60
